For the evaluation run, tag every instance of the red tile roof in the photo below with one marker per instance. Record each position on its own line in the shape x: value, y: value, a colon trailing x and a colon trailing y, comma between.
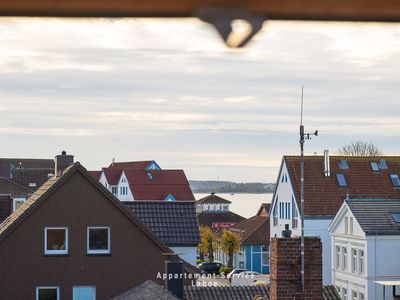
x: 131, y: 165
x: 157, y: 185
x: 112, y: 175
x: 323, y: 196
x: 95, y: 174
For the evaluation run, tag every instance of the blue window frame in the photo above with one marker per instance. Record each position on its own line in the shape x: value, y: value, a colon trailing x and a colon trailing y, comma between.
x: 395, y: 180
x: 341, y: 180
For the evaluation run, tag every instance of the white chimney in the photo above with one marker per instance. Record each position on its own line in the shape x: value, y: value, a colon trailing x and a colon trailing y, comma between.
x: 327, y: 168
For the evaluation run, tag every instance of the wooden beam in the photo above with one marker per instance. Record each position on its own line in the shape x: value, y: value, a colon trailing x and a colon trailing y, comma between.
x: 350, y: 10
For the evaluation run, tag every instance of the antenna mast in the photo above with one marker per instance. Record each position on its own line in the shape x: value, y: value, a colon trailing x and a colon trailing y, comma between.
x: 303, y: 137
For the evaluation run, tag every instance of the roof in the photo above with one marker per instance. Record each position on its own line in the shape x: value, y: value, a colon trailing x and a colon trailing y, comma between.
x: 254, y: 230
x: 329, y: 292
x: 95, y: 174
x: 10, y: 187
x: 148, y: 290
x: 323, y: 196
x: 174, y: 223
x: 32, y: 178
x: 264, y: 209
x: 375, y: 215
x: 226, y: 292
x: 158, y: 184
x: 112, y: 175
x: 8, y: 164
x: 131, y: 165
x: 208, y: 218
x: 212, y: 199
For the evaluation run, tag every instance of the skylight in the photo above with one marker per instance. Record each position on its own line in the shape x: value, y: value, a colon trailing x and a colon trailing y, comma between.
x: 395, y: 180
x: 374, y: 166
x: 343, y: 164
x: 383, y: 164
x: 396, y: 217
x: 341, y: 180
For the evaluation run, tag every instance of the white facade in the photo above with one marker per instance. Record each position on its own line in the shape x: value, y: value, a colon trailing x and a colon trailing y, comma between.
x: 284, y: 211
x: 212, y: 207
x: 189, y: 254
x: 121, y: 190
x: 359, y: 260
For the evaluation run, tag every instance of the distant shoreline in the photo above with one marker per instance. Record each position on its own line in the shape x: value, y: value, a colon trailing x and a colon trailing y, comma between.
x: 229, y: 187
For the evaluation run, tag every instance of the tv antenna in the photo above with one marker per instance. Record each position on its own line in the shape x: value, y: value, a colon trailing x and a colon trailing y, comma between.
x: 303, y: 137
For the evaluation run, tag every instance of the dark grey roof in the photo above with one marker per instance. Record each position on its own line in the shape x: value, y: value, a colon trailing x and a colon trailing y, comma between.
x: 174, y: 223
x: 330, y: 293
x: 375, y: 215
x: 32, y: 178
x: 148, y: 290
x: 226, y: 292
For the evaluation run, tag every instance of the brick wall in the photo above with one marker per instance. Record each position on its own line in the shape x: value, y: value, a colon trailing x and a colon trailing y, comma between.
x: 285, y: 267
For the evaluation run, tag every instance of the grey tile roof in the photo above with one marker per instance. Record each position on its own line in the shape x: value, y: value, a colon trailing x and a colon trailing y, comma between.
x: 174, y: 223
x: 375, y: 215
x: 148, y: 290
x: 32, y: 178
x: 226, y: 292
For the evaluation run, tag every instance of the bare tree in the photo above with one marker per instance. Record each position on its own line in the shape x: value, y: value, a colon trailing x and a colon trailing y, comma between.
x: 359, y: 148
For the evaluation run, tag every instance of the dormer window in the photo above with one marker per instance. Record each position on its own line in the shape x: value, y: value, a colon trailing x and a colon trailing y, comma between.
x: 341, y: 180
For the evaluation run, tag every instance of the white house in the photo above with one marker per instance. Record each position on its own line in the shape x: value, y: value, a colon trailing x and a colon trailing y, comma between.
x: 328, y: 180
x: 365, y: 237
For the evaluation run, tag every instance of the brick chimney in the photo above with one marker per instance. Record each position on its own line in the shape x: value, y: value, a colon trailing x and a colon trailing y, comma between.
x: 285, y: 264
x: 62, y: 161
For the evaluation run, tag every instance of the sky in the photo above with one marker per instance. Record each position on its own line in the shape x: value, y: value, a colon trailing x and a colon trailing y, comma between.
x: 171, y: 91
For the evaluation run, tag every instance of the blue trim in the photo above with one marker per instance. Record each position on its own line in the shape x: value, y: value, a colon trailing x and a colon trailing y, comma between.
x: 170, y: 198
x: 153, y: 166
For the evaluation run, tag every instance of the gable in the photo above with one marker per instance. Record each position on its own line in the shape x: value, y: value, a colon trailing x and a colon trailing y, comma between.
x: 338, y: 225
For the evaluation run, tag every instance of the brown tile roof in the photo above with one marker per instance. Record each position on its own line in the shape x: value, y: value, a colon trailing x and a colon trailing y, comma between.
x: 212, y: 199
x: 264, y: 209
x: 323, y: 196
x: 131, y: 165
x: 254, y: 230
x: 95, y: 174
x: 208, y: 218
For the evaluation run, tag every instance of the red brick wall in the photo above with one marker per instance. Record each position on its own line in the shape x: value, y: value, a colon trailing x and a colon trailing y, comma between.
x: 285, y: 267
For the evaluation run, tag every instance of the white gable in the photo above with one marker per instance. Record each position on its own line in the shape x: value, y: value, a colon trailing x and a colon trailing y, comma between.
x: 124, y: 191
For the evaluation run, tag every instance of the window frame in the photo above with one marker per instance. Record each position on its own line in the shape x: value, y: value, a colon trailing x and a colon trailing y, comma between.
x: 354, y: 260
x: 56, y: 252
x: 84, y: 286
x: 344, y: 178
x: 344, y: 258
x: 361, y: 261
x: 101, y: 251
x: 373, y: 164
x: 47, y: 288
x: 398, y: 179
x: 18, y: 200
x: 343, y: 164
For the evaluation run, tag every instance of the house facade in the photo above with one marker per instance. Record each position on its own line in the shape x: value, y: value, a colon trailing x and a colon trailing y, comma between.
x: 328, y: 181
x: 73, y: 238
x: 144, y: 180
x: 365, y: 237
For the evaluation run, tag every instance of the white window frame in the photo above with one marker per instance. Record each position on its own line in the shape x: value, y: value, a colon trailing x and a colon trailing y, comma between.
x: 104, y: 251
x: 354, y: 260
x: 17, y: 200
x: 344, y: 258
x: 84, y: 286
x: 46, y: 288
x: 361, y: 261
x: 338, y: 254
x: 56, y: 252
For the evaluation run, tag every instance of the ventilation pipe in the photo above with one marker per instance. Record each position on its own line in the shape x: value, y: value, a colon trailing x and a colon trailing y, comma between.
x: 327, y: 168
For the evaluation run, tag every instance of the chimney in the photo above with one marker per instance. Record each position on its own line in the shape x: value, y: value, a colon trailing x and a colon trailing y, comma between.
x: 327, y: 168
x: 174, y: 280
x: 62, y: 161
x: 287, y: 233
x: 285, y: 266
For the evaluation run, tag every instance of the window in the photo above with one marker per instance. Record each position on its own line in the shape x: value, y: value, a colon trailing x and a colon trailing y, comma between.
x: 98, y: 240
x: 337, y: 257
x: 344, y: 294
x: 265, y: 259
x: 84, y: 293
x: 17, y: 202
x: 344, y: 258
x: 354, y: 295
x: 55, y: 240
x: 346, y: 225
x: 114, y: 190
x: 374, y: 166
x: 338, y: 289
x: 47, y: 293
x: 361, y: 296
x: 383, y: 164
x: 341, y: 180
x: 123, y: 190
x: 395, y: 180
x: 275, y: 215
x: 294, y: 215
x: 396, y: 217
x: 361, y: 261
x: 351, y: 225
x: 343, y: 164
x: 353, y: 260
